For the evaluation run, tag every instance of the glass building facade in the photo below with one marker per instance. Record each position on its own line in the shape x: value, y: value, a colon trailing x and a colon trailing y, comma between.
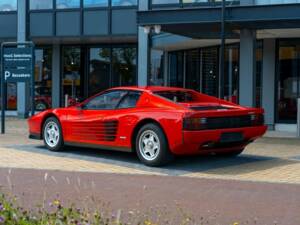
x: 198, y: 69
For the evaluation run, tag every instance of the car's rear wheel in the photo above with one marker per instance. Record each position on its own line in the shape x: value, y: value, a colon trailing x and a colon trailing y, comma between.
x: 52, y: 134
x: 152, y: 146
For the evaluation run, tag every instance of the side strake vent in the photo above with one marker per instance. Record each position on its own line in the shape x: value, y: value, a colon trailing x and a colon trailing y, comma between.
x: 110, y: 130
x: 96, y: 131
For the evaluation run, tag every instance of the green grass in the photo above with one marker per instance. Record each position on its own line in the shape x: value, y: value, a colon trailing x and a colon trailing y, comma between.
x: 12, y: 214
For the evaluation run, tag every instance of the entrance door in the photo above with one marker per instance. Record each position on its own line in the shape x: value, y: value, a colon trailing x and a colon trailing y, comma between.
x: 288, y: 82
x: 72, y: 74
x: 99, y: 70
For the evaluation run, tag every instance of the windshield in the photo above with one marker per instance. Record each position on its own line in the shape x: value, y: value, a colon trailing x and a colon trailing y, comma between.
x: 178, y: 96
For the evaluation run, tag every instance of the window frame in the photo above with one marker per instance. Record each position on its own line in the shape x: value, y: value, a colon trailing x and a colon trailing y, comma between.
x: 83, y: 105
x: 86, y: 7
x: 123, y: 6
x: 14, y: 10
x: 53, y: 4
x: 128, y: 93
x: 68, y: 8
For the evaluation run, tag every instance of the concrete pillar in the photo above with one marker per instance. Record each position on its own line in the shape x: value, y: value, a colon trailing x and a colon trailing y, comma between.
x: 247, y: 68
x: 56, y: 87
x: 268, y: 81
x: 143, y: 50
x: 22, y: 88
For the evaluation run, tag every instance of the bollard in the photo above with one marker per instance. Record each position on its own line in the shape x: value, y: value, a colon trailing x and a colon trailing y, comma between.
x: 298, y: 118
x: 66, y: 100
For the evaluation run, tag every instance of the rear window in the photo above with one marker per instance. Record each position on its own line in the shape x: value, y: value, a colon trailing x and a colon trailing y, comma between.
x: 178, y: 96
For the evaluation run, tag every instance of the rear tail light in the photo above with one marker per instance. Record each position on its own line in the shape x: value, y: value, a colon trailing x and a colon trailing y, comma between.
x: 194, y: 123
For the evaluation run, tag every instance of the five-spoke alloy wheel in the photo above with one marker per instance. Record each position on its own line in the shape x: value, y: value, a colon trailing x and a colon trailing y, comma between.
x: 52, y: 134
x: 152, y: 146
x: 149, y: 145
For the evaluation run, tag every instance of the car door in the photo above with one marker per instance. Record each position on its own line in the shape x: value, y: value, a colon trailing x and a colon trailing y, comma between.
x: 128, y: 116
x: 96, y: 124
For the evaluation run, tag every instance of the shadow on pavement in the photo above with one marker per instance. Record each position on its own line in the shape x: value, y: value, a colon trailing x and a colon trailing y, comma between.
x: 216, y: 165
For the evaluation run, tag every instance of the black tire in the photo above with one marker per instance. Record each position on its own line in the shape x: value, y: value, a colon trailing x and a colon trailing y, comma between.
x: 232, y: 153
x: 59, y: 144
x: 163, y: 155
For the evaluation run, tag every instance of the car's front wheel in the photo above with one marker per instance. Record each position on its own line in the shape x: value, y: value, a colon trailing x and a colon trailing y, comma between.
x: 152, y: 146
x: 52, y: 134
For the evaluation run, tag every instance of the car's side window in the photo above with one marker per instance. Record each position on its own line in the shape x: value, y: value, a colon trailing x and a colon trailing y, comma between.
x: 130, y: 100
x: 107, y: 100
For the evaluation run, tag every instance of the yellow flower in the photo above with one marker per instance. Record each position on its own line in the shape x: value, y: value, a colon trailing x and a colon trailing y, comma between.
x: 236, y: 223
x: 148, y: 222
x: 56, y: 202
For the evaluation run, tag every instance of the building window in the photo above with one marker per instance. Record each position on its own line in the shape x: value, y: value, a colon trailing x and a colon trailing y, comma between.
x: 209, y: 73
x: 8, y: 5
x: 176, y: 67
x: 66, y: 4
x: 164, y: 2
x: 99, y: 70
x: 95, y: 3
x: 259, y: 64
x: 11, y: 103
x: 231, y: 76
x: 43, y: 78
x: 195, y: 1
x: 124, y: 2
x: 124, y: 66
x: 41, y: 4
x: 192, y: 68
x: 288, y: 81
x: 73, y: 76
x: 270, y: 2
x: 157, y: 68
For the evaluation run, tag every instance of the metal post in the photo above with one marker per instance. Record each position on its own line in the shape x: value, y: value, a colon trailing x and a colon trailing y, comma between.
x: 222, y: 52
x: 66, y: 100
x: 33, y: 80
x: 3, y: 100
x: 298, y: 118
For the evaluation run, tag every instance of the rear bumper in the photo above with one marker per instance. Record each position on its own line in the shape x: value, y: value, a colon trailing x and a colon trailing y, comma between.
x: 206, y: 141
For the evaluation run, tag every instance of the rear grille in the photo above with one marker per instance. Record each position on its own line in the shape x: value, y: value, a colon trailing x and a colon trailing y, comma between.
x: 228, y: 122
x: 212, y: 123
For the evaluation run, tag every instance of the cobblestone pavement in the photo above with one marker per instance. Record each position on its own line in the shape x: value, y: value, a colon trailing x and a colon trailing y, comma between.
x: 267, y: 160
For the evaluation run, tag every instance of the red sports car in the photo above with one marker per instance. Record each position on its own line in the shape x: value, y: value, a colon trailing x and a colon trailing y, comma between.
x: 155, y: 122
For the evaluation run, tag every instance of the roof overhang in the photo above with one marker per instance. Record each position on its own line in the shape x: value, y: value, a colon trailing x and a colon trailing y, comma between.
x: 206, y: 22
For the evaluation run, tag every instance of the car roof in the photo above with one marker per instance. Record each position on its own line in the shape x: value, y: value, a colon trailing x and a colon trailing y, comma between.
x: 149, y: 88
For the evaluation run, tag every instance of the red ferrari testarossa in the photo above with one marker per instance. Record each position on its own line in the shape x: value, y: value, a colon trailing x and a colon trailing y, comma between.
x: 155, y: 122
